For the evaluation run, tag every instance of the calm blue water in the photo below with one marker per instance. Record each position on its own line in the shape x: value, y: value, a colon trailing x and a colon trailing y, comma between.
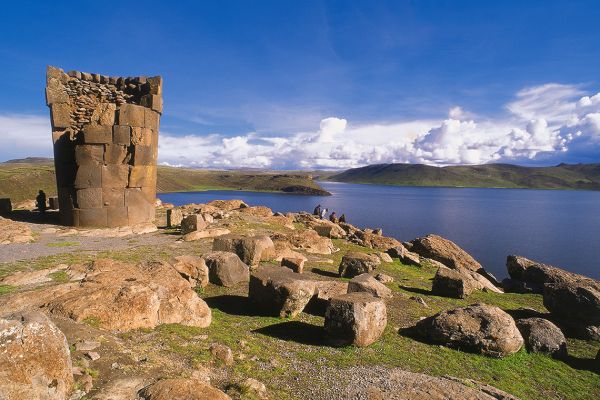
x: 561, y: 228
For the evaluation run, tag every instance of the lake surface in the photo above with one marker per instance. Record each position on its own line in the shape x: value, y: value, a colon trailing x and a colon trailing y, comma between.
x: 561, y: 228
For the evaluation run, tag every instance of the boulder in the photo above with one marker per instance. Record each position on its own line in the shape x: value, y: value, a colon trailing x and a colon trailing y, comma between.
x: 355, y: 318
x: 542, y: 336
x: 181, y: 389
x: 205, y: 233
x: 406, y: 257
x: 227, y: 205
x: 295, y: 264
x: 373, y: 240
x: 460, y: 283
x: 192, y: 223
x: 366, y: 283
x: 222, y: 353
x: 283, y: 249
x: 257, y: 211
x: 226, y: 269
x: 35, y: 361
x: 576, y: 304
x: 256, y: 387
x: 174, y: 217
x: 250, y: 249
x: 329, y: 289
x: 356, y: 263
x: 478, y: 328
x: 384, y: 278
x: 311, y: 241
x: 121, y: 296
x: 191, y: 268
x: 385, y: 257
x: 327, y: 228
x: 444, y: 251
x: 280, y: 291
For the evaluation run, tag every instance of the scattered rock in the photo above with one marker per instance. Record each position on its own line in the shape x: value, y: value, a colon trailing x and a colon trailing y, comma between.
x: 35, y: 361
x: 121, y: 296
x: 405, y: 256
x: 383, y: 278
x: 327, y: 228
x: 419, y: 300
x: 373, y: 240
x: 222, y: 353
x: 192, y: 223
x: 312, y: 242
x: 452, y: 283
x: 191, y: 268
x: 92, y: 355
x: 226, y: 269
x: 174, y: 217
x: 250, y: 249
x: 295, y: 264
x: 227, y: 205
x: 356, y: 263
x: 205, y: 233
x: 366, y: 283
x: 181, y: 389
x: 257, y: 211
x: 479, y: 328
x: 385, y: 257
x: 355, y: 318
x: 86, y: 345
x: 542, y: 336
x: 444, y: 251
x: 256, y: 387
x: 121, y: 389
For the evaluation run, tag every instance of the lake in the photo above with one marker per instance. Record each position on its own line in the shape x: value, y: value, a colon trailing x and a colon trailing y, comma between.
x: 557, y: 227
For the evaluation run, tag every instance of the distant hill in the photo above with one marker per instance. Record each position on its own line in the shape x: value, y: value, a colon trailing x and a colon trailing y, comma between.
x: 30, y: 160
x: 563, y: 176
x: 21, y: 180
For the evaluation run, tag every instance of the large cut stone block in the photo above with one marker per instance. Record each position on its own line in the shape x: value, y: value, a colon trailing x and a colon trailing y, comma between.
x: 153, y: 102
x: 142, y: 175
x: 149, y: 193
x: 114, y: 176
x: 117, y: 216
x: 92, y: 217
x: 104, y: 114
x: 135, y: 197
x: 155, y: 85
x: 97, y: 134
x: 115, y: 154
x: 131, y: 114
x: 140, y: 213
x: 113, y: 197
x: 56, y: 93
x: 88, y: 176
x: 143, y: 155
x: 151, y: 119
x: 65, y: 175
x: 141, y: 136
x: 89, y: 198
x: 122, y: 135
x: 89, y: 154
x: 61, y: 115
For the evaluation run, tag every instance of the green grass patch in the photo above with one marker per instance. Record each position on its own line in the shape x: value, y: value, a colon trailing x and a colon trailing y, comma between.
x: 62, y: 244
x: 59, y: 276
x: 4, y: 289
x: 93, y: 321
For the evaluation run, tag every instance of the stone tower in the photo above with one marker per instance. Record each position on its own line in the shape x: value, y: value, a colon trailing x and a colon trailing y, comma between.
x: 105, y: 135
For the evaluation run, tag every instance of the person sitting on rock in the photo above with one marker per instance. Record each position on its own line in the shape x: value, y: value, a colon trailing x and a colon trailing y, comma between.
x: 333, y: 218
x: 41, y: 201
x: 317, y: 210
x: 323, y: 213
x: 342, y: 218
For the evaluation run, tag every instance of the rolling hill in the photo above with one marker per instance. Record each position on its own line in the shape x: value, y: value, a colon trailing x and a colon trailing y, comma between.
x: 563, y: 176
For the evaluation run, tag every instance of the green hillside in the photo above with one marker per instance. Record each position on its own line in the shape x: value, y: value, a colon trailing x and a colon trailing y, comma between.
x: 21, y: 180
x: 563, y: 176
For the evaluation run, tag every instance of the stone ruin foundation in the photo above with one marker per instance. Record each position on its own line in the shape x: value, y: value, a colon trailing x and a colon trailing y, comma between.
x: 105, y: 135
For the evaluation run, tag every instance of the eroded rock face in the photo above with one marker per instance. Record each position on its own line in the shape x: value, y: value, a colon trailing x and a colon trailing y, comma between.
x: 120, y: 296
x: 182, y: 389
x: 368, y: 284
x: 280, y: 291
x: 542, y: 336
x: 356, y: 263
x: 479, y: 328
x: 355, y: 318
x: 250, y: 249
x: 444, y: 251
x: 192, y: 268
x: 35, y: 362
x: 226, y: 269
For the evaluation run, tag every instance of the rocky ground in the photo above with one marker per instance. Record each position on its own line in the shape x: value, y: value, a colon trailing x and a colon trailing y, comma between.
x: 120, y: 314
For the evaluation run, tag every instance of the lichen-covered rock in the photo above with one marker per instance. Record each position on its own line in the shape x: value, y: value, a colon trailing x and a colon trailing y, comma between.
x: 192, y: 268
x: 120, y: 296
x: 35, y: 362
x: 250, y: 249
x: 355, y: 263
x: 542, y: 336
x: 479, y: 328
x: 368, y: 284
x: 225, y: 268
x: 181, y: 389
x: 355, y: 318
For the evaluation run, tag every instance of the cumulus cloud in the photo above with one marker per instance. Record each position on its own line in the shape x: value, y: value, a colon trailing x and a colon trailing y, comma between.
x: 546, y: 123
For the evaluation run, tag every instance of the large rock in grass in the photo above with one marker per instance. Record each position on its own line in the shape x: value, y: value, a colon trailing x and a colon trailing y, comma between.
x: 368, y: 284
x: 226, y: 269
x: 478, y: 328
x: 577, y: 305
x: 460, y: 283
x: 192, y: 223
x: 327, y: 228
x: 356, y: 263
x: 542, y: 336
x: 444, y: 251
x: 181, y: 389
x: 35, y: 361
x: 310, y: 241
x: 279, y: 291
x: 355, y: 318
x: 192, y: 268
x: 404, y: 255
x: 120, y: 296
x: 250, y: 249
x: 372, y: 240
x: 227, y: 205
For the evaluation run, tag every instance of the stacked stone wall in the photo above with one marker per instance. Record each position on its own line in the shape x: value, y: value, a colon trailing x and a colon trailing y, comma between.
x: 105, y: 135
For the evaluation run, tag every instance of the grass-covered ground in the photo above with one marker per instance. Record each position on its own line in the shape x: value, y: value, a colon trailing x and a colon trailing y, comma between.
x: 287, y: 354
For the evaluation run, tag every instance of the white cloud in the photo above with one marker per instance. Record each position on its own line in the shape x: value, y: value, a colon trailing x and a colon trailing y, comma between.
x: 551, y: 122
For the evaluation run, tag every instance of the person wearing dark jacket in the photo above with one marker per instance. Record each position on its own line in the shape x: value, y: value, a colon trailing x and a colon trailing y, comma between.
x: 333, y: 218
x: 342, y: 218
x: 317, y: 211
x: 41, y: 201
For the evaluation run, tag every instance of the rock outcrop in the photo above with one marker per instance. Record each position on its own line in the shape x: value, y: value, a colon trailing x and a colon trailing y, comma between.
x: 35, y: 361
x: 225, y: 268
x: 355, y: 263
x: 445, y: 251
x: 355, y: 318
x: 479, y: 328
x: 121, y: 296
x: 181, y: 389
x: 542, y: 336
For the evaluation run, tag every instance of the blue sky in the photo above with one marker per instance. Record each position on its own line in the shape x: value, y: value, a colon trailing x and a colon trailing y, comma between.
x: 325, y: 84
